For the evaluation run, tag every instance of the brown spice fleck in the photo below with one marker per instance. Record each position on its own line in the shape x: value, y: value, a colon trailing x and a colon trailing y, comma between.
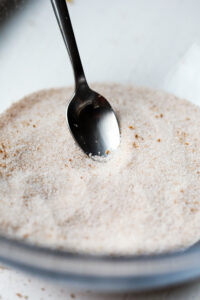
x: 107, y: 152
x: 159, y: 116
x: 19, y: 295
x: 70, y: 159
x: 72, y: 296
x: 186, y: 143
x: 3, y: 165
x: 136, y: 136
x: 182, y: 191
x: 130, y: 127
x: 135, y: 145
x: 26, y: 235
x: 158, y: 140
x: 34, y: 126
x: 5, y: 155
x: 1, y: 151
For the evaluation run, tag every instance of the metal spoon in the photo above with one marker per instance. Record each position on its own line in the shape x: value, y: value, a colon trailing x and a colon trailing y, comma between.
x: 90, y: 117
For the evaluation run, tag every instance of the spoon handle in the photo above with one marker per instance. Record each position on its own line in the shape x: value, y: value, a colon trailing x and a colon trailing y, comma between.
x: 64, y: 22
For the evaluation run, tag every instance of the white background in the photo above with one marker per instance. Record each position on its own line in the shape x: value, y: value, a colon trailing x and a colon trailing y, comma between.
x: 132, y: 41
x: 153, y: 43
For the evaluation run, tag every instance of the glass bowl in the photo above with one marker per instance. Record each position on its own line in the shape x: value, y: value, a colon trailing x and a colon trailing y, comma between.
x: 103, y: 273
x: 151, y: 43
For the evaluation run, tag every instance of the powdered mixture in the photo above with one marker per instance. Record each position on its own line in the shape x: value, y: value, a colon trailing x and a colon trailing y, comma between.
x: 145, y: 199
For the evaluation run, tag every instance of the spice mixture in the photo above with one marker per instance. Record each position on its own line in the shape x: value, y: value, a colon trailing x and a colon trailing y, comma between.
x: 144, y: 199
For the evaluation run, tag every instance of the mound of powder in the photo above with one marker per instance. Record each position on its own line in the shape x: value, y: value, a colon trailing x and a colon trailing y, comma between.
x: 144, y: 199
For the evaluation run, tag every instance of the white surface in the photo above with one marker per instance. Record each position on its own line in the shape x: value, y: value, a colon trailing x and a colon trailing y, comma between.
x: 14, y: 285
x: 153, y: 43
x: 132, y: 41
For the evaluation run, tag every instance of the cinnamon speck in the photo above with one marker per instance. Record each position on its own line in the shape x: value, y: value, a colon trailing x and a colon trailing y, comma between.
x: 70, y: 159
x: 107, y: 152
x: 72, y: 296
x: 5, y: 155
x: 19, y: 295
x: 135, y: 145
x: 26, y: 235
x: 136, y: 136
x: 182, y: 191
x: 34, y: 126
x: 130, y: 127
x: 186, y: 143
x: 158, y: 140
x: 159, y: 116
x: 3, y: 166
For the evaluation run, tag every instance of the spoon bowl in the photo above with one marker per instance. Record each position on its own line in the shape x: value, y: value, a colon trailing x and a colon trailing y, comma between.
x: 93, y: 123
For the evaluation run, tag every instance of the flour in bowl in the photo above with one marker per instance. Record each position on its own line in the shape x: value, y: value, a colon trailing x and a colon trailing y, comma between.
x: 144, y: 199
